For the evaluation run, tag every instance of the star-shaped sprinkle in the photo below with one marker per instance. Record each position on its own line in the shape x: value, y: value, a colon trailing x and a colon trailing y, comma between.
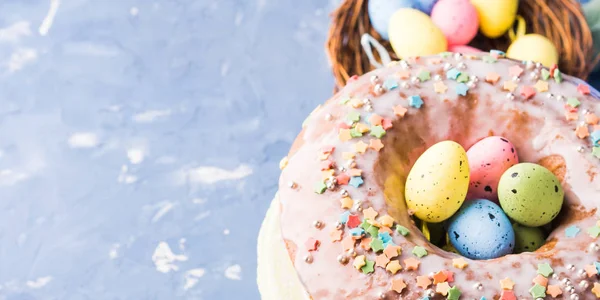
x: 342, y: 179
x: 384, y: 237
x: 336, y: 235
x: 492, y: 77
x: 356, y: 103
x: 573, y: 102
x: 365, y: 243
x: 424, y: 75
x: 507, y: 284
x: 545, y: 269
x: 412, y: 264
x: 390, y: 84
x: 449, y: 276
x: 312, y: 244
x: 557, y: 76
x: 439, y: 87
x: 381, y: 261
x: 375, y: 119
x: 419, y: 251
x: 571, y: 116
x: 376, y: 245
x: 452, y: 74
x: 361, y: 127
x: 386, y: 221
x: 320, y: 187
x: 357, y: 232
x: 402, y: 230
x: 583, y: 89
x: 354, y: 132
x: 463, y: 77
x: 489, y: 59
x: 353, y: 116
x: 596, y: 289
x: 375, y: 144
x: 356, y: 181
x: 400, y: 110
x: 594, y: 231
x: 461, y: 89
x: 596, y: 151
x: 386, y: 124
x: 348, y: 243
x: 361, y: 147
x: 403, y: 74
x: 460, y: 263
x: 370, y: 213
x: 590, y: 270
x: 344, y: 217
x: 515, y: 71
x: 327, y: 174
x: 423, y: 282
x: 398, y: 285
x: 368, y: 268
x: 541, y: 280
x: 392, y: 251
x: 572, y: 231
x: 453, y: 293
x: 597, y: 265
x: 393, y: 266
x: 442, y: 288
x: 507, y: 295
x: 353, y: 221
x: 348, y: 155
x: 355, y: 172
x: 553, y: 290
x: 591, y: 119
x: 377, y: 131
x: 509, y: 86
x: 527, y: 92
x: 344, y: 135
x: 415, y: 101
x: 545, y: 74
x: 595, y: 137
x: 373, y: 231
x: 439, y: 277
x: 582, y: 131
x: 497, y: 53
x: 541, y: 86
x: 346, y: 202
x: 359, y: 262
x: 537, y: 291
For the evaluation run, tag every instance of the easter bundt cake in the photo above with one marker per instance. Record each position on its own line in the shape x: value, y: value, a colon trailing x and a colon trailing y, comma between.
x: 356, y: 213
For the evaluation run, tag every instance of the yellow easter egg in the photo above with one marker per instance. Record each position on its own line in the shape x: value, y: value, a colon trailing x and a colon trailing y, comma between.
x: 495, y: 16
x: 437, y: 184
x: 412, y: 33
x: 533, y: 47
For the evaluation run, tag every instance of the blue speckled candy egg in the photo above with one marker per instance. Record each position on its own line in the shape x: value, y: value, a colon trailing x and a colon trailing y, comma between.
x: 481, y: 230
x: 381, y: 11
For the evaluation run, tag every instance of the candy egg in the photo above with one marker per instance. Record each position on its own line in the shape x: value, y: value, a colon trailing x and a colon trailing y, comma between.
x: 488, y: 160
x: 463, y: 49
x: 412, y: 33
x: 533, y: 47
x: 495, y: 17
x: 457, y: 19
x: 527, y: 239
x: 437, y: 184
x: 530, y: 194
x: 480, y: 230
x: 381, y: 11
x: 425, y: 5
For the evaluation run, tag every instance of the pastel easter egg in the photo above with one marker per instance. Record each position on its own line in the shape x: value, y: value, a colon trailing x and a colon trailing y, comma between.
x: 457, y: 19
x: 463, y: 49
x: 495, y: 17
x: 530, y: 194
x: 533, y: 47
x: 528, y: 239
x: 481, y: 230
x: 425, y: 6
x: 381, y: 11
x: 488, y: 160
x: 412, y: 33
x: 437, y: 184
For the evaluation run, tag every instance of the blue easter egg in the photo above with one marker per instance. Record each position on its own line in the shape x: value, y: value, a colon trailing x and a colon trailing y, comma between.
x: 425, y: 5
x: 381, y: 11
x: 481, y: 230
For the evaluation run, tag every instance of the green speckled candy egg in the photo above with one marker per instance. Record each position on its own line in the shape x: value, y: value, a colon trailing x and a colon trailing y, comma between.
x: 530, y: 194
x: 528, y: 239
x: 437, y: 184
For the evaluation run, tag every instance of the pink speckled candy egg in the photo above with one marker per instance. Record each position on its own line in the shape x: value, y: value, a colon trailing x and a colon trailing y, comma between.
x: 457, y: 19
x: 463, y: 49
x: 489, y: 159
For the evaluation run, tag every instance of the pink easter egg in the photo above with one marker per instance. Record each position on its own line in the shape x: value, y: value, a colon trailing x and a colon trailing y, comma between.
x: 488, y: 160
x: 457, y: 19
x: 463, y: 49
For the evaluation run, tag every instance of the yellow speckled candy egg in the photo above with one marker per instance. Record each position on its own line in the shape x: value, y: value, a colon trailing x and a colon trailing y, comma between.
x: 495, y: 16
x: 533, y: 47
x: 437, y: 184
x: 412, y: 33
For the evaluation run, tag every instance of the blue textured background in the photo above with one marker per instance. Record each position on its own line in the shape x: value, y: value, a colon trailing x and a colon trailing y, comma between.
x: 139, y: 141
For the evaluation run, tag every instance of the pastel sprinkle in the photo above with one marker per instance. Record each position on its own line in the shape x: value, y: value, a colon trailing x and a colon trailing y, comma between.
x: 557, y: 76
x: 497, y: 53
x: 462, y: 89
x: 376, y: 245
x: 462, y: 77
x: 384, y: 237
x: 595, y: 137
x: 445, y: 54
x: 594, y: 231
x: 377, y: 131
x: 375, y: 144
x: 346, y: 202
x: 359, y: 262
x: 538, y: 291
x: 452, y: 74
x: 545, y: 269
x: 353, y: 221
x: 596, y: 151
x: 354, y: 133
x: 439, y: 87
x: 492, y: 77
x: 368, y: 267
x: 545, y: 74
x: 553, y: 290
x: 507, y: 284
x: 489, y: 59
x: 415, y: 101
x: 370, y: 213
x: 572, y: 231
x: 356, y: 181
x: 573, y: 102
x: 400, y: 110
x: 393, y: 266
x: 509, y: 86
x: 320, y: 187
x: 596, y: 289
x: 357, y: 232
x: 424, y: 75
x: 412, y: 264
x: 353, y: 116
x: 398, y: 285
x: 583, y: 89
x: 527, y: 92
x: 541, y: 86
x: 460, y: 263
x: 419, y: 251
x: 373, y: 231
x: 515, y: 71
x: 402, y: 230
x: 344, y: 101
x: 453, y: 293
x: 507, y: 295
x: 344, y: 217
x: 597, y: 265
x: 390, y: 84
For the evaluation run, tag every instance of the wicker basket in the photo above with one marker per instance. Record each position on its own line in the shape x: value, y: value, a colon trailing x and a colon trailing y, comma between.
x: 562, y: 21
